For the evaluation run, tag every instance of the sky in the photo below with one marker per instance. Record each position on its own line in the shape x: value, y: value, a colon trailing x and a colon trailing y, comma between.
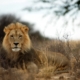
x: 12, y: 6
x: 51, y: 29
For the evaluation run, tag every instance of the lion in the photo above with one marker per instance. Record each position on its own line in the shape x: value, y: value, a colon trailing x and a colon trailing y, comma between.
x: 17, y: 48
x: 19, y: 52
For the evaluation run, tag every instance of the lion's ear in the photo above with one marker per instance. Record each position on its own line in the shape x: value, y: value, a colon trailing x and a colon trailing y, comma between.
x: 6, y: 29
x: 26, y: 28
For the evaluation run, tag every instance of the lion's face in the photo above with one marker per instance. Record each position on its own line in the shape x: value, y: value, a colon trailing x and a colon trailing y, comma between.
x: 16, y: 38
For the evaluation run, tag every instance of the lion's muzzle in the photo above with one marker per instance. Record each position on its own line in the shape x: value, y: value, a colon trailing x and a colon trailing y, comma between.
x: 16, y: 49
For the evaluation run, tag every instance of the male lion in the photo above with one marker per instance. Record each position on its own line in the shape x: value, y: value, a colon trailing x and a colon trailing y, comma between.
x: 17, y: 48
x: 18, y: 51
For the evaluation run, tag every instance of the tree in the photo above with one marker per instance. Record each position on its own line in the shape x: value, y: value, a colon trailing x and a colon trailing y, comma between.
x: 56, y: 7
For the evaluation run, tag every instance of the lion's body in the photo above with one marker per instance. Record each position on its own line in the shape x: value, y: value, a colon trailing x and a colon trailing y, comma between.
x: 58, y: 61
x: 19, y: 52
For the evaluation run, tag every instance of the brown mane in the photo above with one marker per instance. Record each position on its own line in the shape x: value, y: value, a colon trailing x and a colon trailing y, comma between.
x: 16, y: 26
x: 27, y: 53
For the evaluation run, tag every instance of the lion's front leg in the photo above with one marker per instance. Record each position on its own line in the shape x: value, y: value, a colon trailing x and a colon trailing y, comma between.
x: 32, y: 68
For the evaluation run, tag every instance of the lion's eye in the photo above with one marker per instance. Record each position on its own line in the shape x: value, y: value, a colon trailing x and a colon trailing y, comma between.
x: 20, y: 36
x: 11, y: 36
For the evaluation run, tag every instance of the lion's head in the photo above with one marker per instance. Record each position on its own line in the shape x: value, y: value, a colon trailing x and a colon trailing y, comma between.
x: 16, y: 38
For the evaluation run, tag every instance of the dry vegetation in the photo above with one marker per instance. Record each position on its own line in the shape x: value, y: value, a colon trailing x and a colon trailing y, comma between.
x: 69, y: 49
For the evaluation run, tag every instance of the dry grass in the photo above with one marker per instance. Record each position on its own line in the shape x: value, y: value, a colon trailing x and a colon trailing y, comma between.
x: 71, y: 49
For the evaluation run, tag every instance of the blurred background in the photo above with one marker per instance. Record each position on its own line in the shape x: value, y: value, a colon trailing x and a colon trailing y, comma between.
x: 54, y: 26
x: 53, y: 19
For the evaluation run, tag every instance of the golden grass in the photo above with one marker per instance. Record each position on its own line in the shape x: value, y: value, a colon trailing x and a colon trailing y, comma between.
x: 65, y: 48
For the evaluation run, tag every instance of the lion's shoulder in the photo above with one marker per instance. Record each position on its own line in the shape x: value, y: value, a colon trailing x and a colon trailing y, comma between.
x: 33, y: 55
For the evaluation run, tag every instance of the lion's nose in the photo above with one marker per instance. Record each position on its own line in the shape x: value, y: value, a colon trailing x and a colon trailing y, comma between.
x: 16, y: 44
